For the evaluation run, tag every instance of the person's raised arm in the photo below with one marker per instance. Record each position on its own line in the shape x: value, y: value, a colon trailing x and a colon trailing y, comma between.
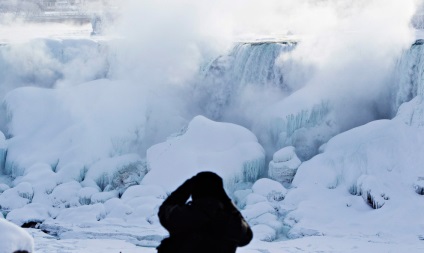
x: 173, y: 202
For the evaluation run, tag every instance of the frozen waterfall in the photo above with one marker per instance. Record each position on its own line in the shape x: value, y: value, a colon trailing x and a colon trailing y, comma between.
x: 224, y: 81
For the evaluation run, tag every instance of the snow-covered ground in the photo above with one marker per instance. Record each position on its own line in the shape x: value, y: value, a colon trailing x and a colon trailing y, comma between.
x: 318, y: 138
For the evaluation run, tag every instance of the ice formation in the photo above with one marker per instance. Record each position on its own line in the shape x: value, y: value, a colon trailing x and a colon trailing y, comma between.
x: 284, y: 165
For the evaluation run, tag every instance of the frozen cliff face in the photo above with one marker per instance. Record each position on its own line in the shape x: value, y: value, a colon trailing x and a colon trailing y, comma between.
x: 248, y: 67
x: 14, y: 238
x: 229, y: 150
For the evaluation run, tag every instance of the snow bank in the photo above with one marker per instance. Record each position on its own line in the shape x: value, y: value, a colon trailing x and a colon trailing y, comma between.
x: 14, y: 238
x: 366, y: 174
x: 227, y: 149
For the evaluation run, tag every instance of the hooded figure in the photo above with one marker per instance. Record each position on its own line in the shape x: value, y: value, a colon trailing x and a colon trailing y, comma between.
x: 210, y: 223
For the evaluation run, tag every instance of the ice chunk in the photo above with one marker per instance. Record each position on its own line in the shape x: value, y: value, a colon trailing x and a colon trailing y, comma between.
x: 227, y: 149
x: 14, y: 238
x: 284, y: 165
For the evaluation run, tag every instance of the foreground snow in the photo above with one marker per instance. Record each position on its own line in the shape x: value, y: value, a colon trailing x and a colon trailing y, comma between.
x: 327, y: 244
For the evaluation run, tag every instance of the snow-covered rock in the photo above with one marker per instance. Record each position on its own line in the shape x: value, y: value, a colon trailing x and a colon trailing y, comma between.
x: 229, y: 150
x: 14, y: 238
x: 31, y: 213
x: 272, y: 190
x: 66, y: 195
x: 16, y: 197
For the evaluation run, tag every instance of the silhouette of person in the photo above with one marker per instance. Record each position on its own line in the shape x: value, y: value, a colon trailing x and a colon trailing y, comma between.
x: 210, y: 223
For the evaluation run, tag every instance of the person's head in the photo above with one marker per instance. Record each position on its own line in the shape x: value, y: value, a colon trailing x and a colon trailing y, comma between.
x: 208, y: 185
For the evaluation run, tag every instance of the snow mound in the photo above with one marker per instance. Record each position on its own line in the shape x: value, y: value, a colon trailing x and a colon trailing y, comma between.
x: 229, y: 150
x: 284, y: 165
x: 117, y: 173
x: 31, y: 213
x: 16, y: 197
x: 14, y: 238
x: 272, y: 190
